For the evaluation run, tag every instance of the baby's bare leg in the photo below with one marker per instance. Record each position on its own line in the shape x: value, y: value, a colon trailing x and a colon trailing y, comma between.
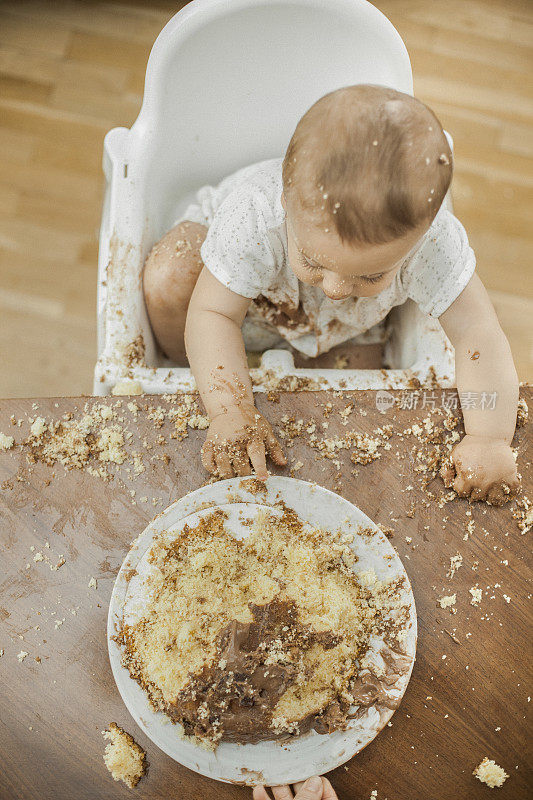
x: 170, y: 275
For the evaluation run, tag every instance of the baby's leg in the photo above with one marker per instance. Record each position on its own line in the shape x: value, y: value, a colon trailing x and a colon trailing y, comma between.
x: 170, y: 275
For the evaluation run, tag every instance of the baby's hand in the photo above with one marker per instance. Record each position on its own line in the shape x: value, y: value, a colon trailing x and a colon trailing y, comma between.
x: 237, y: 439
x: 482, y: 469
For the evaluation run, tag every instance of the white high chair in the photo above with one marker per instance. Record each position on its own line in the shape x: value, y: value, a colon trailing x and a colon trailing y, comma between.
x: 226, y: 82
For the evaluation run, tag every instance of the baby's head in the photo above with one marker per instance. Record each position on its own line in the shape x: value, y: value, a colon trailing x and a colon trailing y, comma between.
x: 364, y: 175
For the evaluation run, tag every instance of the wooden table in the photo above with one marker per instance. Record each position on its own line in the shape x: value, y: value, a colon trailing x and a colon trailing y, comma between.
x: 468, y: 697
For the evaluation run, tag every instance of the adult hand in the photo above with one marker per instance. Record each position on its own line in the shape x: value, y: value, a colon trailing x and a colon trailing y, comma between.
x: 314, y: 788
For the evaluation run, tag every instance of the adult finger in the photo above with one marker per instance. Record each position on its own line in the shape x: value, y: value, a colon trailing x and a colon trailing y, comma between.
x: 224, y: 469
x: 260, y: 793
x: 274, y: 449
x: 241, y: 463
x: 297, y: 786
x: 282, y: 793
x: 311, y: 789
x: 256, y: 451
x: 328, y: 792
x: 208, y: 457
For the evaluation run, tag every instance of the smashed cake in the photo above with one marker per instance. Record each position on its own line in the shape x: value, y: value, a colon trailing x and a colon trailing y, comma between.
x: 266, y: 637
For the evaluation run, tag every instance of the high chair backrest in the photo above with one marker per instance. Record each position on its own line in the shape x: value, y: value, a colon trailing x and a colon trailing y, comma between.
x: 226, y: 82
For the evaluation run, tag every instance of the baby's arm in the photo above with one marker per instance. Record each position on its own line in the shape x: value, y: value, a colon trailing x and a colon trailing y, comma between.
x: 237, y: 434
x: 483, y: 461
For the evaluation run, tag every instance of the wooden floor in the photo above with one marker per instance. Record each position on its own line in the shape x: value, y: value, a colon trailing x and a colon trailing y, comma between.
x: 69, y: 71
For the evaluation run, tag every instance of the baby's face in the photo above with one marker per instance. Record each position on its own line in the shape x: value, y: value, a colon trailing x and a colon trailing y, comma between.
x: 318, y: 257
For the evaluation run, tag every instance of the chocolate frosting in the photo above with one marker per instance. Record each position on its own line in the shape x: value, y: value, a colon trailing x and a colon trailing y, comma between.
x: 368, y: 689
x: 234, y: 698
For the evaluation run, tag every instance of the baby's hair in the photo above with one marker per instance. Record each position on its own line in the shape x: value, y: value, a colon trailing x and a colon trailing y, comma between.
x: 372, y: 161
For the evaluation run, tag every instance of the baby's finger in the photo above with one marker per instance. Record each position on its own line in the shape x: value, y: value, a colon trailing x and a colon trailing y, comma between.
x: 256, y: 451
x: 462, y: 485
x: 208, y: 458
x: 241, y: 464
x: 513, y: 484
x: 447, y: 473
x: 224, y: 469
x: 274, y: 449
x: 260, y: 793
x: 495, y: 495
x: 477, y: 494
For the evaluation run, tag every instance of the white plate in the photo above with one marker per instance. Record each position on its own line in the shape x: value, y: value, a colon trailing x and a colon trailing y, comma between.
x: 269, y: 762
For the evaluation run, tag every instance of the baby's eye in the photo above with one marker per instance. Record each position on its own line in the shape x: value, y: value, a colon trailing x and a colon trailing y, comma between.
x: 309, y: 266
x: 373, y: 278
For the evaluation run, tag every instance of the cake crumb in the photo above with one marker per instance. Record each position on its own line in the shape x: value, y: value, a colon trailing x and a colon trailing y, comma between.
x: 447, y: 600
x: 93, y: 584
x: 110, y: 444
x: 123, y: 757
x: 21, y: 656
x: 6, y: 442
x: 490, y: 773
x: 455, y: 562
x: 38, y: 427
x: 126, y: 387
x: 477, y: 595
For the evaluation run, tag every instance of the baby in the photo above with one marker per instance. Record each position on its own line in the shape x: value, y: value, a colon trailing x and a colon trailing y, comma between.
x: 317, y: 248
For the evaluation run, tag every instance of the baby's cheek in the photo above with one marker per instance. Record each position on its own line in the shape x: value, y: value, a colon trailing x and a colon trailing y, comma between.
x: 304, y: 276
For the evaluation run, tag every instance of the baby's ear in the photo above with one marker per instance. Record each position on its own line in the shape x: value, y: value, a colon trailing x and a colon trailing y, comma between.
x: 283, y: 201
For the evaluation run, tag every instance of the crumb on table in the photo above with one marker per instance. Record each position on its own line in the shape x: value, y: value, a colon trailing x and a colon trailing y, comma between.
x: 6, y: 442
x: 490, y: 773
x: 123, y: 757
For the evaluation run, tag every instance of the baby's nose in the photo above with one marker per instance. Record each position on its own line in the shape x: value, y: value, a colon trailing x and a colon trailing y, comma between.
x: 336, y: 289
